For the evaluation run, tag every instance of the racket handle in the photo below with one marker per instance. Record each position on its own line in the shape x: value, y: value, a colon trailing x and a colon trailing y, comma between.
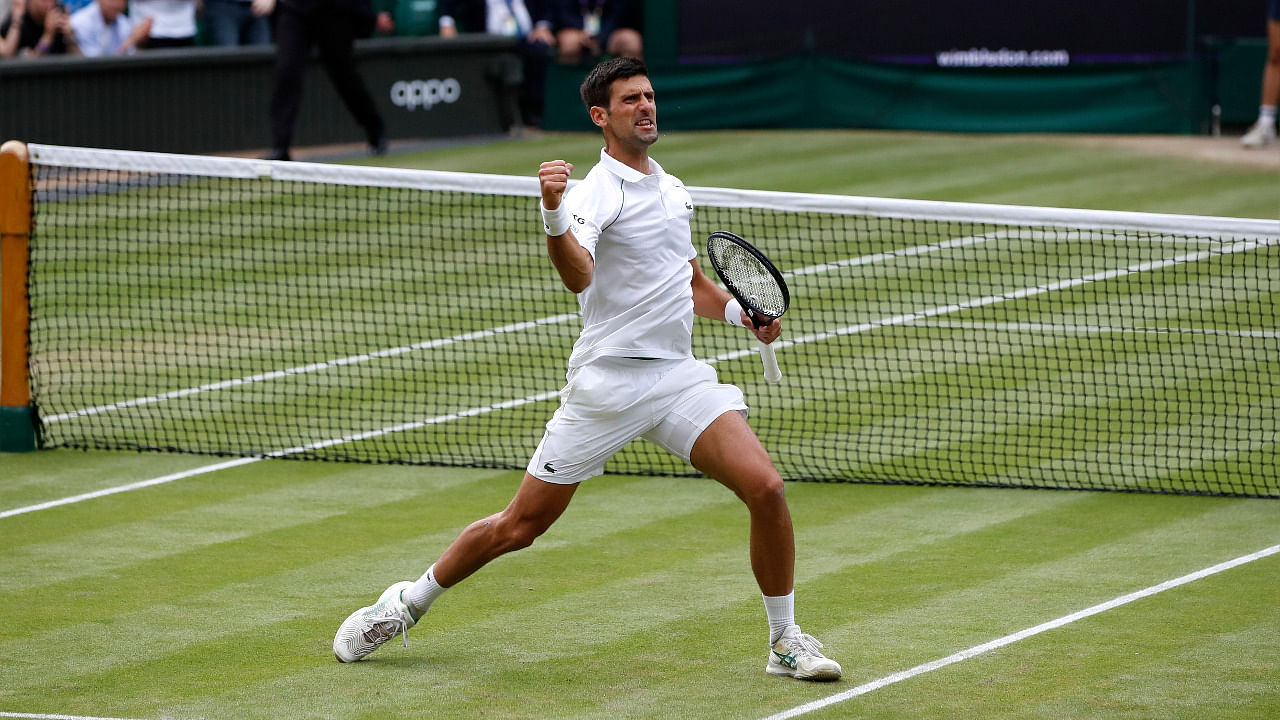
x: 772, y: 372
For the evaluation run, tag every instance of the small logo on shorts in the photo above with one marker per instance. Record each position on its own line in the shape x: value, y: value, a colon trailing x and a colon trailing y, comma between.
x: 548, y: 468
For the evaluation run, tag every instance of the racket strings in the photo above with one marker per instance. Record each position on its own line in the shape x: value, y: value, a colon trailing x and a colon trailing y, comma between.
x: 751, y: 278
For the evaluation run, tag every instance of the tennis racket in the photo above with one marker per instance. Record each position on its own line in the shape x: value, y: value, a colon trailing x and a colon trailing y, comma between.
x: 755, y: 283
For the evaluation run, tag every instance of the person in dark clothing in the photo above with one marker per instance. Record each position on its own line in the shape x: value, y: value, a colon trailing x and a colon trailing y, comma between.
x: 331, y: 26
x: 38, y: 27
x: 524, y: 20
x: 587, y: 29
x: 1263, y: 132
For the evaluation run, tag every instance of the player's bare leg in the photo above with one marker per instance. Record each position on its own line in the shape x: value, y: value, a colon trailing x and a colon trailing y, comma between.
x: 729, y: 451
x: 536, y: 505
x: 534, y: 508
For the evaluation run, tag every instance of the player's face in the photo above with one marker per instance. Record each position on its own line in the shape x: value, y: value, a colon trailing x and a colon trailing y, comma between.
x: 633, y: 114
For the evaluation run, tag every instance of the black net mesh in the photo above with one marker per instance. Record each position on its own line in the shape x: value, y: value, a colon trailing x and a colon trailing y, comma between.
x: 247, y: 317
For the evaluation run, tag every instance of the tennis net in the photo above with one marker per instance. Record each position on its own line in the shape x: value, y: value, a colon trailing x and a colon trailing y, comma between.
x: 249, y: 308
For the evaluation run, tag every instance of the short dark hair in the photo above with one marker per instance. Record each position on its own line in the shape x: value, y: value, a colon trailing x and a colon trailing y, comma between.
x: 595, y: 89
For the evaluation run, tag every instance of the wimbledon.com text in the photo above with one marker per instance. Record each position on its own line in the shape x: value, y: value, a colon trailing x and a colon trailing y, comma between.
x: 1004, y: 57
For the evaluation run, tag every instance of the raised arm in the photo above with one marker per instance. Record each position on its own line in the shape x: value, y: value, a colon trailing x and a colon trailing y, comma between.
x: 571, y: 260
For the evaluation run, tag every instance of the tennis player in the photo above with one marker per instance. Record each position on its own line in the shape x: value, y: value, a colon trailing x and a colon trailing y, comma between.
x: 621, y: 241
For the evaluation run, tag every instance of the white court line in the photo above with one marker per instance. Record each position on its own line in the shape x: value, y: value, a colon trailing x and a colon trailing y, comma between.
x: 44, y: 716
x: 126, y: 488
x: 915, y: 317
x: 479, y: 334
x: 929, y: 666
x: 1021, y: 635
x: 313, y: 367
x: 448, y: 417
x: 1092, y: 329
x: 852, y: 329
x: 894, y: 254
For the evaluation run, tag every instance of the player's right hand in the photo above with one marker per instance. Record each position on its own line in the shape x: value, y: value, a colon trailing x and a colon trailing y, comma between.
x: 768, y: 332
x: 554, y: 178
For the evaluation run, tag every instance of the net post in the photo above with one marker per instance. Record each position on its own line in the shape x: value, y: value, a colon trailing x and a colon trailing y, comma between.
x: 17, y: 418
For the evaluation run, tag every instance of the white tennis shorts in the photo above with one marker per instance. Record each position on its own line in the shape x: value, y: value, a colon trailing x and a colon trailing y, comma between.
x: 612, y: 401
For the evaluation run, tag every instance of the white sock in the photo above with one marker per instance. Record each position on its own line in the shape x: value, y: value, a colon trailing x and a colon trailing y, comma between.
x: 782, y: 613
x: 423, y: 592
x: 1266, y: 113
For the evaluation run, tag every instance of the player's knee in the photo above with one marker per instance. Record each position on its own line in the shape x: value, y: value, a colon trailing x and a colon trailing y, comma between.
x: 519, y: 533
x: 764, y: 490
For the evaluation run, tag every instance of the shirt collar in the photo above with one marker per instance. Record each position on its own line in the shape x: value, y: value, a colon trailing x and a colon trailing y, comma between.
x: 626, y: 172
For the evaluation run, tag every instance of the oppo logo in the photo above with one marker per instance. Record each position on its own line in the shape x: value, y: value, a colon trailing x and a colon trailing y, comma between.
x: 414, y: 94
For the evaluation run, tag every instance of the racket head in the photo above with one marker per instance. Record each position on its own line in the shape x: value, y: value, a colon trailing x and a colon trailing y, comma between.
x: 749, y: 276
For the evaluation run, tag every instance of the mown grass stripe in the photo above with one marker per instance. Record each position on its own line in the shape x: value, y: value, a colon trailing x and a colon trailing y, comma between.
x: 46, y: 716
x: 1022, y: 635
x: 240, y: 587
x: 128, y: 487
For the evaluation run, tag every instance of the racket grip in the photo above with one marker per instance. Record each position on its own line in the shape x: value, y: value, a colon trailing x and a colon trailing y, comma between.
x: 772, y: 372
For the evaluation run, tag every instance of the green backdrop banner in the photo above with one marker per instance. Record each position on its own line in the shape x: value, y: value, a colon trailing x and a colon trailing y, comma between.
x: 815, y: 91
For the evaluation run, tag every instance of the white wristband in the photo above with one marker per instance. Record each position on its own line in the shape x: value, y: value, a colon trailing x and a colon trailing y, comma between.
x: 733, y: 313
x: 555, y: 222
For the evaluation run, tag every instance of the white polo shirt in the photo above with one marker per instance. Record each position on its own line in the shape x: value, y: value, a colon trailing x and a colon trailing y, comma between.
x: 94, y: 36
x: 636, y: 227
x: 169, y: 18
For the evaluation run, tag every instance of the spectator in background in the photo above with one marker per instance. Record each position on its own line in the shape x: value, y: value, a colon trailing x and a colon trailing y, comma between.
x: 103, y: 29
x: 1263, y: 132
x: 235, y: 22
x: 525, y: 20
x: 406, y: 18
x: 384, y: 17
x: 587, y: 29
x: 331, y: 26
x: 173, y: 22
x: 35, y: 28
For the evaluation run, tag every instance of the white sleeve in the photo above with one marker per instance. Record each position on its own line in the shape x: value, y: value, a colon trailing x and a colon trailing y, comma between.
x: 590, y: 212
x: 80, y: 27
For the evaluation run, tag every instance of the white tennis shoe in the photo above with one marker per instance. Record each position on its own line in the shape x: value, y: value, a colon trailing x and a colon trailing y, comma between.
x: 366, y: 629
x: 1262, y: 134
x: 799, y: 656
